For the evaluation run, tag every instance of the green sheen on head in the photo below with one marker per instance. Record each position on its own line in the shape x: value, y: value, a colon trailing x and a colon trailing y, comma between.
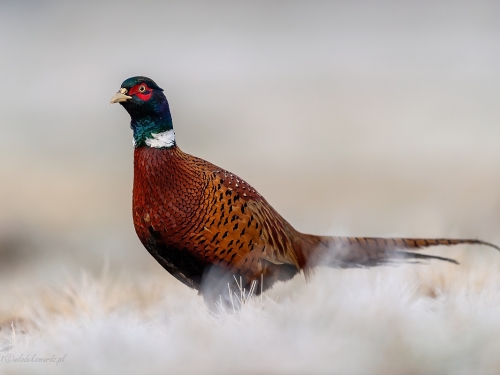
x: 149, y: 111
x: 131, y: 82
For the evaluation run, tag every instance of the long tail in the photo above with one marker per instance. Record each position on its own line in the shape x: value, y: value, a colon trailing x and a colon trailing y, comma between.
x: 348, y: 252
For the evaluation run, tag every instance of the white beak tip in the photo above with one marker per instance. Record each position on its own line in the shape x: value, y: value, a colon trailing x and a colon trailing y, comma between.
x: 119, y: 97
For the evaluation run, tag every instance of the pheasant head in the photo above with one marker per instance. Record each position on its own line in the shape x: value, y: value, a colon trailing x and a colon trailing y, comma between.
x: 148, y: 108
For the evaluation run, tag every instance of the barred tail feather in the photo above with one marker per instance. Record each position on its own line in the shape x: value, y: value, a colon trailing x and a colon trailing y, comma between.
x: 371, y: 251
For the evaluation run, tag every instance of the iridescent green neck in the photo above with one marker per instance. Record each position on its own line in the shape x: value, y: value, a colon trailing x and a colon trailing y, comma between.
x: 153, y: 132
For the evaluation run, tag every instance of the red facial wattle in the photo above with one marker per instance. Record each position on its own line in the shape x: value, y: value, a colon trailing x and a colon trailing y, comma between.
x: 142, y: 91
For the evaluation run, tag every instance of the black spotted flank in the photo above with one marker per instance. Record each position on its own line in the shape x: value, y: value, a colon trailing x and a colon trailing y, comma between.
x: 215, y: 237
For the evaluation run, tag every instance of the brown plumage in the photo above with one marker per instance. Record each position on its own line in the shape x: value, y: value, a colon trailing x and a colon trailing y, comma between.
x: 206, y: 225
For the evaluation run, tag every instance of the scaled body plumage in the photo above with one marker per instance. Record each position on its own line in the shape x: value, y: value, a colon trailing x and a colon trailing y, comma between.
x: 205, y: 225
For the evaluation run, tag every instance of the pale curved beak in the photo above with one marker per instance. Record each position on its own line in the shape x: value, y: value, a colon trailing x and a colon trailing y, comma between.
x: 120, y: 96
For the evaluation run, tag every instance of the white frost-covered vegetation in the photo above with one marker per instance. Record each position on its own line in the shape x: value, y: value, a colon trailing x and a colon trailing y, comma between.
x: 436, y: 318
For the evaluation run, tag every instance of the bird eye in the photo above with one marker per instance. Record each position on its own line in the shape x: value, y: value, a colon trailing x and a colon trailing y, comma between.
x: 142, y: 88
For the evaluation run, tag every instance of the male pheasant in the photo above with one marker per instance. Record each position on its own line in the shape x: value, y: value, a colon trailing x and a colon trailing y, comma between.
x: 205, y: 225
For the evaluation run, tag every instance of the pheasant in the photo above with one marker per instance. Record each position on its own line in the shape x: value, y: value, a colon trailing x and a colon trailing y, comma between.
x: 208, y: 227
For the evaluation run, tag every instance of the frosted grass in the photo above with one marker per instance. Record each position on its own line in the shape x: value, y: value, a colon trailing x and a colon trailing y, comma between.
x: 435, y: 318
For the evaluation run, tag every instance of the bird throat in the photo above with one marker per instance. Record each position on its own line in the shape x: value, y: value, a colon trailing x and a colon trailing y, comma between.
x: 156, y: 133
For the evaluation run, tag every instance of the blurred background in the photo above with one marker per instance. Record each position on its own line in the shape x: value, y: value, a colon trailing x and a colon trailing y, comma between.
x: 357, y: 118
